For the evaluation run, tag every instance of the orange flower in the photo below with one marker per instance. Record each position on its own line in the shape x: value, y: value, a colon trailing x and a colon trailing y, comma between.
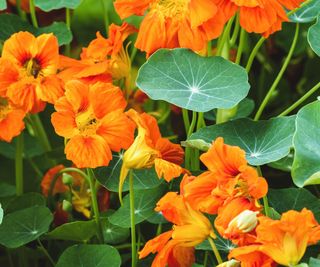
x: 47, y: 179
x: 286, y: 240
x: 170, y: 24
x: 175, y: 248
x: 92, y: 118
x: 11, y: 120
x: 259, y: 16
x: 228, y: 176
x: 28, y: 70
x: 150, y: 149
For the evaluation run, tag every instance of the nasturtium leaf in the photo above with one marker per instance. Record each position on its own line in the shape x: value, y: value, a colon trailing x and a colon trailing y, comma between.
x: 157, y: 218
x: 48, y: 5
x: 3, y: 4
x: 1, y: 214
x: 7, y: 190
x: 306, y: 164
x: 114, y: 234
x: 79, y: 231
x: 109, y: 176
x: 307, y: 13
x: 263, y: 141
x: 314, y: 37
x: 144, y: 204
x: 90, y: 256
x: 313, y: 262
x: 286, y: 199
x: 223, y: 245
x: 23, y: 226
x: 25, y: 201
x: 185, y: 79
x: 11, y: 24
x: 284, y: 164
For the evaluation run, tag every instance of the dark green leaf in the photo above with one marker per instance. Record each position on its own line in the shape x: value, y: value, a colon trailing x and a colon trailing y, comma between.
x: 24, y: 226
x: 114, y: 234
x: 25, y: 201
x: 284, y: 164
x: 90, y: 256
x: 48, y: 5
x: 190, y: 81
x: 7, y: 190
x: 314, y: 37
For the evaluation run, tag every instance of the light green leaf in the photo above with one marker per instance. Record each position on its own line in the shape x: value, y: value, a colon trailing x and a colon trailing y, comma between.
x: 3, y: 4
x: 144, y: 204
x: 1, y: 214
x: 90, y: 256
x: 286, y: 199
x: 313, y: 262
x: 24, y: 226
x: 314, y: 37
x: 306, y: 164
x: 80, y: 231
x: 307, y: 13
x: 48, y: 5
x: 109, y: 176
x: 263, y: 141
x: 190, y: 81
x: 284, y: 164
x: 25, y: 201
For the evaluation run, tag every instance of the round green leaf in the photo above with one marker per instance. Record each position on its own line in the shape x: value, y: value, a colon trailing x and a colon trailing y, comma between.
x: 263, y: 141
x: 190, y: 81
x: 114, y: 234
x: 3, y: 4
x: 90, y: 256
x: 80, y: 231
x: 307, y: 13
x: 25, y: 201
x: 306, y: 163
x: 144, y: 204
x: 314, y: 37
x: 109, y: 176
x: 313, y: 262
x: 48, y: 5
x: 24, y: 226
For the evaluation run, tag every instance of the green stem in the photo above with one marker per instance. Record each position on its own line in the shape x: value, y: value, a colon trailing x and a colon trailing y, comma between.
x: 94, y: 204
x: 201, y: 122
x: 300, y: 101
x: 241, y: 44
x: 133, y: 226
x: 209, y: 49
x: 193, y: 123
x: 68, y: 23
x: 19, y: 165
x: 35, y: 168
x: 205, y: 260
x: 40, y: 132
x: 280, y: 74
x: 21, y: 13
x: 186, y: 120
x: 45, y: 252
x: 254, y: 52
x: 215, y: 250
x: 235, y: 31
x: 265, y: 198
x: 225, y: 37
x: 33, y: 13
x: 301, y: 6
x: 105, y: 16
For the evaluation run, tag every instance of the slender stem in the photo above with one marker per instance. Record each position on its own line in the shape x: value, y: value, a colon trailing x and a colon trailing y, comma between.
x: 35, y: 168
x: 40, y: 132
x: 159, y: 229
x: 254, y: 52
x: 209, y: 49
x: 68, y: 23
x: 205, y: 260
x: 235, y: 31
x: 241, y: 44
x: 33, y: 13
x: 300, y: 101
x: 265, y: 198
x: 225, y: 36
x: 133, y: 226
x: 105, y: 16
x: 21, y: 13
x: 19, y: 165
x: 215, y: 250
x: 95, y: 204
x: 200, y: 123
x: 301, y: 6
x: 186, y: 120
x: 193, y: 123
x: 45, y: 252
x: 280, y: 74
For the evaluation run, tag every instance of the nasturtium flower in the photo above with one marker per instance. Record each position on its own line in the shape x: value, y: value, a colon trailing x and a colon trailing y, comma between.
x: 28, y: 71
x: 92, y: 119
x: 173, y: 23
x: 150, y: 149
x: 230, y: 263
x: 228, y: 176
x: 175, y: 248
x: 11, y: 120
x: 260, y: 16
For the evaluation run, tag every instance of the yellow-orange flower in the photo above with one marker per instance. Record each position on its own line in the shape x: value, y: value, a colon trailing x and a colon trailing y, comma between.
x: 228, y: 177
x: 92, y: 118
x: 173, y: 23
x: 28, y: 70
x: 11, y: 120
x: 150, y: 149
x: 175, y: 248
x: 259, y: 16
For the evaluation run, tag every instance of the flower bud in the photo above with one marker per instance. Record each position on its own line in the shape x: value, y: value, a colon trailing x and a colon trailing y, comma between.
x: 66, y: 206
x: 245, y: 222
x: 67, y: 179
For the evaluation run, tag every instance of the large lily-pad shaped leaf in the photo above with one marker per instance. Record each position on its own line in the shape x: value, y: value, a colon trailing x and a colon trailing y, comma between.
x: 90, y: 256
x: 307, y: 13
x: 306, y: 164
x: 263, y: 141
x: 3, y: 4
x: 48, y: 5
x: 185, y: 79
x: 24, y: 226
x: 314, y: 37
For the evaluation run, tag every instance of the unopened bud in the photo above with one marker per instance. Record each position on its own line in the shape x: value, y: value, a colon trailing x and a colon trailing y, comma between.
x: 245, y: 222
x: 67, y: 179
x: 66, y: 206
x: 230, y: 263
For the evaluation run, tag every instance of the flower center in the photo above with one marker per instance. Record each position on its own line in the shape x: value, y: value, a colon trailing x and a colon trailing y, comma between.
x: 172, y: 8
x: 87, y: 123
x: 4, y: 108
x: 33, y: 67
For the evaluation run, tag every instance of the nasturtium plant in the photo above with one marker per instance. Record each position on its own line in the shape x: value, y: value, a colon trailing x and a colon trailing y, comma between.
x: 307, y: 13
x: 48, y: 5
x: 1, y: 214
x: 3, y: 4
x: 314, y: 37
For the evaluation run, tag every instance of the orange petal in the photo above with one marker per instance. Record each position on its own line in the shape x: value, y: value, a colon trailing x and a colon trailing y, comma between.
x: 77, y: 93
x: 169, y: 151
x: 9, y: 74
x: 126, y: 8
x: 12, y: 124
x: 201, y: 11
x: 50, y: 89
x: 166, y: 169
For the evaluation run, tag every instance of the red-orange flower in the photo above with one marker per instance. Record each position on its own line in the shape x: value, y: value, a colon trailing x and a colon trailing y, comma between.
x: 175, y: 248
x: 91, y: 117
x: 170, y: 24
x: 259, y: 16
x: 11, y: 120
x: 28, y: 70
